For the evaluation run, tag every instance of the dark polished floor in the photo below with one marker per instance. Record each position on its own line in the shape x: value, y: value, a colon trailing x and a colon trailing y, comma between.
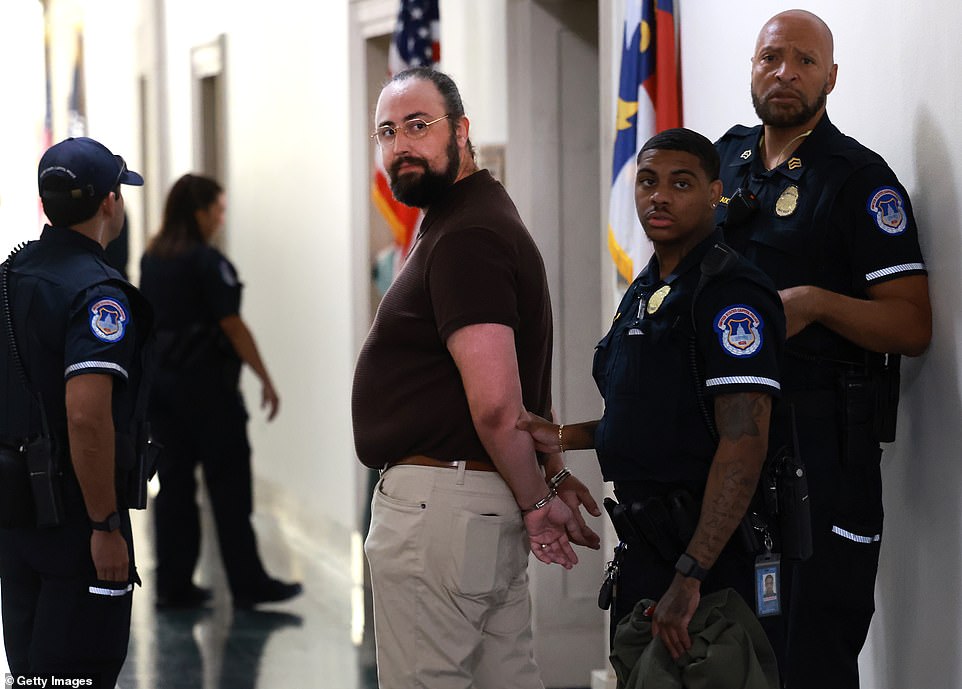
x: 316, y: 640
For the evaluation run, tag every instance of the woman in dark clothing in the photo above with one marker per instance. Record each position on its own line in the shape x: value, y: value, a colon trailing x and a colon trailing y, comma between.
x: 196, y: 409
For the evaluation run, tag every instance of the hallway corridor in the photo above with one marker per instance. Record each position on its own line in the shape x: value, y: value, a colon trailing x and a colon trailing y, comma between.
x: 304, y: 643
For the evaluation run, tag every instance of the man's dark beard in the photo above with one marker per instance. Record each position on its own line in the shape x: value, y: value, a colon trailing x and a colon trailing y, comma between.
x: 420, y: 191
x: 776, y: 117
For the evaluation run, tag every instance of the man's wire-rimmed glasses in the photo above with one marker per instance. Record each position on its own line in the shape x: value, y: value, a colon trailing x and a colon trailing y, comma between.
x: 386, y: 134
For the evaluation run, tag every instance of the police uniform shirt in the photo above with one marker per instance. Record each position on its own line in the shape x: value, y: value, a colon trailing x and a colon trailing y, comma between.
x: 93, y: 328
x: 191, y: 293
x: 200, y: 285
x: 832, y: 215
x: 99, y: 334
x: 74, y: 315
x: 654, y: 427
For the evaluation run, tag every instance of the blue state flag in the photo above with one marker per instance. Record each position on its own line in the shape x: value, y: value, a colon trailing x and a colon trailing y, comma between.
x: 649, y: 100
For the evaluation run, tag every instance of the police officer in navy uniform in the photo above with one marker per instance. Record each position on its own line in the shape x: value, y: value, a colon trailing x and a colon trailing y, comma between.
x: 832, y: 226
x: 73, y: 368
x: 688, y: 372
x: 197, y: 411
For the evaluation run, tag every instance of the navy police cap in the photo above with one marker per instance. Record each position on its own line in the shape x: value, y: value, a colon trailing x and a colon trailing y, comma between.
x: 89, y: 167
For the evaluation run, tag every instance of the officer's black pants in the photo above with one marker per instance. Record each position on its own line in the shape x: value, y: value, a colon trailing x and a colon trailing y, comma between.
x: 646, y: 574
x: 52, y: 623
x: 216, y: 439
x: 833, y: 592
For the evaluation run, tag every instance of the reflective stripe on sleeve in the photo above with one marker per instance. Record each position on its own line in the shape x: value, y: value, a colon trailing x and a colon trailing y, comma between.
x: 110, y: 593
x: 855, y: 537
x: 893, y: 270
x: 742, y: 380
x: 83, y: 365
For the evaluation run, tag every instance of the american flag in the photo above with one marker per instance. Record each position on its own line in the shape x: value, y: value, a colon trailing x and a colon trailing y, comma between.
x: 415, y: 44
x: 416, y: 36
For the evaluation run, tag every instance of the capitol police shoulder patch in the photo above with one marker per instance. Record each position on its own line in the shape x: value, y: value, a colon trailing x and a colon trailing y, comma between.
x: 108, y: 320
x: 739, y: 329
x: 227, y: 274
x: 887, y: 207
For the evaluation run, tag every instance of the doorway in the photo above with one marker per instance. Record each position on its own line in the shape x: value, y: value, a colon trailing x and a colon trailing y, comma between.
x: 553, y: 166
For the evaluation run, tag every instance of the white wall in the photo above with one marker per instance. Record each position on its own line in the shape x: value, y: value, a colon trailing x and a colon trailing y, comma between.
x: 899, y: 93
x: 111, y: 87
x: 21, y: 73
x: 288, y: 231
x: 470, y: 30
x: 288, y: 186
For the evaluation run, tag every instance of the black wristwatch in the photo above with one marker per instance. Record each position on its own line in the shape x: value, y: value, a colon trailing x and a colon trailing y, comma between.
x: 111, y: 523
x: 689, y: 567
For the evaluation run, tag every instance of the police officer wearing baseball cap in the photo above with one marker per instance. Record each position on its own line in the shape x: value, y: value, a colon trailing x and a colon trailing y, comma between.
x: 72, y: 444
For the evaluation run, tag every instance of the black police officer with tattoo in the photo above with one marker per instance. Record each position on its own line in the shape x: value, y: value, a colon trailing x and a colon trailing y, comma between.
x: 73, y: 445
x: 687, y: 372
x: 829, y: 222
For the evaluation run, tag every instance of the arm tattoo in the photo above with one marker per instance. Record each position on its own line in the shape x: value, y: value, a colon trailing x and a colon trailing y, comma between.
x: 738, y: 415
x: 725, y: 508
x: 742, y: 420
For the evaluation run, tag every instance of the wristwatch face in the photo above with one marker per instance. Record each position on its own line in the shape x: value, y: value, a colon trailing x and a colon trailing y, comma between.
x: 111, y: 523
x: 689, y: 567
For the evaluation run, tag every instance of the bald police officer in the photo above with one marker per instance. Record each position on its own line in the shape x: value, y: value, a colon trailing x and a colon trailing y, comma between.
x: 830, y: 223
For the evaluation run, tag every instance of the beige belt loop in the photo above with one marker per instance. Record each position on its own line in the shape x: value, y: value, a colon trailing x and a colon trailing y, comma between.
x: 461, y: 467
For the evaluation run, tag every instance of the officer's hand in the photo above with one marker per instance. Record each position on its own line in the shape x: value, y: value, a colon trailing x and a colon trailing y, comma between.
x: 543, y: 432
x: 800, y: 304
x: 108, y: 550
x: 673, y: 614
x: 575, y: 494
x: 548, y: 530
x: 270, y: 400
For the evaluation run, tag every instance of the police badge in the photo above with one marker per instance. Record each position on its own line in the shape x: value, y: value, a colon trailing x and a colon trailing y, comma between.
x: 655, y: 300
x: 787, y: 202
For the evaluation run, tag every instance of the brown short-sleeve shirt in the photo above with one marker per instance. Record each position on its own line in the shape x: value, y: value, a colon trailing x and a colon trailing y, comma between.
x: 474, y: 262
